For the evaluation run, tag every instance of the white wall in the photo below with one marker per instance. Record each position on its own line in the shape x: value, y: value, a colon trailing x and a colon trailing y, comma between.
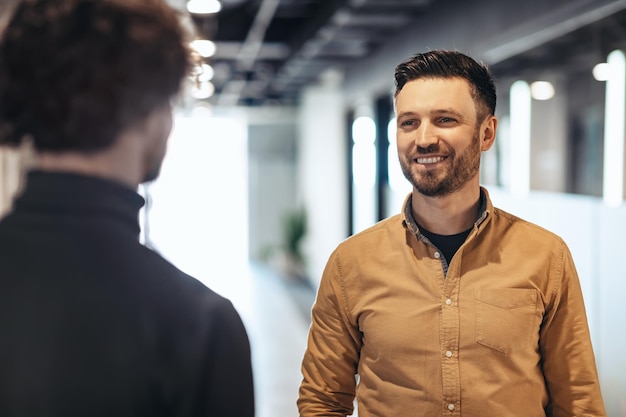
x: 548, y: 147
x: 9, y: 178
x: 198, y: 214
x: 322, y: 174
x: 14, y: 163
x: 272, y: 181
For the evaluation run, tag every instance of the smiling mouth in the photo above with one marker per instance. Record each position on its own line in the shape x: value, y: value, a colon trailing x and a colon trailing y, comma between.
x: 430, y: 160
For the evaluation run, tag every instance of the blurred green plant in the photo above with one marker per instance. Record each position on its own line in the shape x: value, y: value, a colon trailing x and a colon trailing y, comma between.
x: 294, y: 230
x: 288, y: 256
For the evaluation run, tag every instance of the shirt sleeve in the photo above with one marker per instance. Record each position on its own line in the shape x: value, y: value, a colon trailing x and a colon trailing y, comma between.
x: 568, y: 360
x: 330, y: 362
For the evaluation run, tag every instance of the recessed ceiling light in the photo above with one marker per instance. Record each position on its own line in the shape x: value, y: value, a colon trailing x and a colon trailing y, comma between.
x: 602, y: 71
x: 204, y: 6
x: 206, y: 73
x: 203, y: 90
x: 204, y: 47
x: 542, y: 90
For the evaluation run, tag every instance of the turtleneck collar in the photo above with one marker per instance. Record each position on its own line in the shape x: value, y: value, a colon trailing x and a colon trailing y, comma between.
x: 63, y: 193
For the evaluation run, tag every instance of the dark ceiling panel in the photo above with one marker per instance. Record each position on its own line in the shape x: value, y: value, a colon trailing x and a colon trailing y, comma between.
x: 292, y: 42
x: 269, y: 50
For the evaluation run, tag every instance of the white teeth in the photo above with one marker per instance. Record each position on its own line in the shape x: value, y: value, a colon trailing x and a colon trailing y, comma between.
x: 430, y: 160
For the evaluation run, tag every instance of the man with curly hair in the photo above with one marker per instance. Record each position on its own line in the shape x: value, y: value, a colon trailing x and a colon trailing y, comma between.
x: 92, y: 323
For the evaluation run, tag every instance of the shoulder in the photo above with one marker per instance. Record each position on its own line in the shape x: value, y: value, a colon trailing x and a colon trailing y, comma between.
x: 385, y: 235
x: 389, y: 226
x: 508, y: 223
x: 177, y: 291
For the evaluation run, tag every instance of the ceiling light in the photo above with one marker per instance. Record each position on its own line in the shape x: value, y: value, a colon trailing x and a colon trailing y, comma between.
x: 204, y: 6
x: 202, y: 73
x: 542, y: 90
x: 206, y: 73
x: 602, y: 71
x: 203, y: 90
x: 204, y: 47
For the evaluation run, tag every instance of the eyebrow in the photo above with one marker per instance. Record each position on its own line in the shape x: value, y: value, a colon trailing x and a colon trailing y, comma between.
x: 434, y: 112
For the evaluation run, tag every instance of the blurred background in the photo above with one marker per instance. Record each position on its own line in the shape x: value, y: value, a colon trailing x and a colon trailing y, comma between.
x: 286, y: 147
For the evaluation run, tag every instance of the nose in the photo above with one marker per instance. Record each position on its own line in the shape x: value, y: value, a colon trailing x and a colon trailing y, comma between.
x: 426, y: 136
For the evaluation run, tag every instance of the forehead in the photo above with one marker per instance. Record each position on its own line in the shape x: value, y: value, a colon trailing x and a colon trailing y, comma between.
x: 433, y: 94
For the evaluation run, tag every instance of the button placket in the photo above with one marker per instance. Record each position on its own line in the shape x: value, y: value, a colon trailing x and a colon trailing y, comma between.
x: 450, y: 321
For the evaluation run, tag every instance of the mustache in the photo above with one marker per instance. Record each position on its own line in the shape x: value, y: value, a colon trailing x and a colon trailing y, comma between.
x: 432, y: 148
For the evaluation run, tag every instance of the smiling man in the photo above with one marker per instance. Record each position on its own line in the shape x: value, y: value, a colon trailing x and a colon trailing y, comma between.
x: 453, y: 307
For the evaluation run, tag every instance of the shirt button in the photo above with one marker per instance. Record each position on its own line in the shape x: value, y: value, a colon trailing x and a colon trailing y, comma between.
x: 448, y: 354
x: 449, y: 302
x: 437, y: 255
x: 451, y: 407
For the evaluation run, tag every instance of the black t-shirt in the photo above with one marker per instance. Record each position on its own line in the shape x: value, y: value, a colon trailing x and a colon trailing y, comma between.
x: 447, y: 244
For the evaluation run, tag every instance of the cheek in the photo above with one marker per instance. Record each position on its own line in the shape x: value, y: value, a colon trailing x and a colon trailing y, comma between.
x: 161, y: 137
x: 168, y: 124
x: 403, y: 144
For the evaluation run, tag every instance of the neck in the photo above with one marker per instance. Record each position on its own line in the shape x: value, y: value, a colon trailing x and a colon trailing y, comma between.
x: 117, y: 163
x: 447, y: 215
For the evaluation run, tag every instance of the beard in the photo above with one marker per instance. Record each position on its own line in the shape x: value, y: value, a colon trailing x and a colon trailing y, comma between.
x: 153, y: 174
x: 447, y: 179
x: 157, y: 136
x: 154, y: 162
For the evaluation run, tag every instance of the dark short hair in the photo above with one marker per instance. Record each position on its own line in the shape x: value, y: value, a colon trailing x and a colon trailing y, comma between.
x: 450, y: 64
x: 75, y: 73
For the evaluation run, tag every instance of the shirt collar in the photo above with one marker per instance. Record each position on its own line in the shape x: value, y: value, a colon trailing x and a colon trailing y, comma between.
x: 408, y: 221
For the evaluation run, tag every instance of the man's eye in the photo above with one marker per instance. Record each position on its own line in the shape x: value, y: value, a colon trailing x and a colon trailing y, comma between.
x: 407, y: 123
x: 446, y: 120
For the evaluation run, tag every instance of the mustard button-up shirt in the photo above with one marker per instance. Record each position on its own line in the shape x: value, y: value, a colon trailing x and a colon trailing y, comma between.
x: 500, y: 331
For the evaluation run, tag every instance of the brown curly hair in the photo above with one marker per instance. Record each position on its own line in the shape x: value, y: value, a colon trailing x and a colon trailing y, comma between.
x: 75, y: 73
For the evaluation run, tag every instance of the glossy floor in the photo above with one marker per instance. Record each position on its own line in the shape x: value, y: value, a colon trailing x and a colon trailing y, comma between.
x: 276, y: 314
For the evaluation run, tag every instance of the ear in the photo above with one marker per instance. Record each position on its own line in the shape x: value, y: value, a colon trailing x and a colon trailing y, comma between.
x: 488, y: 132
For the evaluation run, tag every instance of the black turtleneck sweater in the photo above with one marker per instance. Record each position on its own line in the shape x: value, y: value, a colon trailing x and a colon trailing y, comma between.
x: 92, y: 323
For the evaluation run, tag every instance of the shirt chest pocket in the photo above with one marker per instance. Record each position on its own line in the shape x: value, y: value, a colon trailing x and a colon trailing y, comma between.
x: 507, y: 319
